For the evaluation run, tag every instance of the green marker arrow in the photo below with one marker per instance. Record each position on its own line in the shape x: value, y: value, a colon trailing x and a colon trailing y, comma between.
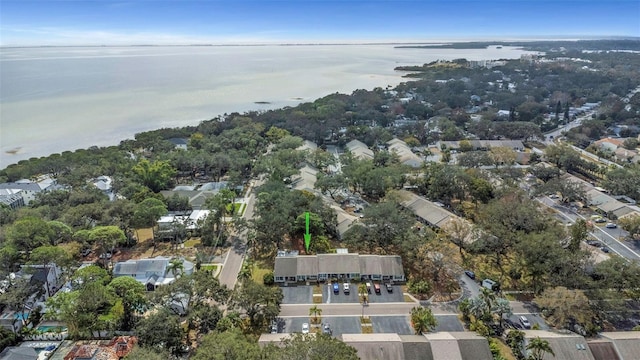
x: 307, y: 236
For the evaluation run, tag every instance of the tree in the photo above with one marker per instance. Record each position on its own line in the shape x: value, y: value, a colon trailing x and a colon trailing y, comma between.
x: 564, y: 307
x: 579, y: 232
x: 176, y: 267
x: 133, y: 297
x: 318, y: 347
x: 16, y: 297
x: 515, y: 339
x: 502, y: 307
x: 107, y: 237
x: 261, y: 303
x: 422, y: 320
x: 538, y: 348
x: 204, y: 318
x: 231, y: 344
x: 29, y: 233
x: 147, y: 213
x: 155, y: 175
x: 161, y: 330
x: 632, y: 225
x: 146, y: 353
x: 315, y: 311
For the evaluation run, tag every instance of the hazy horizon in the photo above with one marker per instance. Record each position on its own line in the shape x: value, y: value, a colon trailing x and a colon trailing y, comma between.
x: 172, y: 22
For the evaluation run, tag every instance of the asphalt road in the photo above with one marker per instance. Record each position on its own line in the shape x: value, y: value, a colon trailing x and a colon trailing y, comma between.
x: 610, y: 237
x: 235, y: 256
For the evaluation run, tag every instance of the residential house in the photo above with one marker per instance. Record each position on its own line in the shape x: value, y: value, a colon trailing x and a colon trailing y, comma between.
x: 391, y: 346
x: 19, y: 353
x: 292, y: 268
x: 104, y: 184
x: 306, y: 179
x: 476, y: 145
x: 405, y: 155
x: 566, y: 345
x: 151, y: 272
x: 609, y: 144
x: 27, y: 189
x: 359, y: 150
x: 179, y: 143
x: 114, y: 349
x: 345, y: 219
x: 622, y: 345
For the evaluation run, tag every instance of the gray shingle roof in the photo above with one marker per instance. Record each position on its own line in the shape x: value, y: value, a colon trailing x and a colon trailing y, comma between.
x: 286, y: 266
x: 338, y: 264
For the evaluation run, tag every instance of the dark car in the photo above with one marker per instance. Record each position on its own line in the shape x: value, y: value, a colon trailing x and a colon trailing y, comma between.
x: 605, y: 249
x: 389, y: 287
x: 470, y: 274
x: 593, y: 242
x: 336, y: 288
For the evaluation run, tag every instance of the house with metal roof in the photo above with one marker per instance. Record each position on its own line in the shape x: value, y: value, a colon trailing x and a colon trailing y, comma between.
x: 151, y: 272
x: 404, y: 153
x: 625, y: 345
x: 359, y: 150
x: 566, y: 345
x: 306, y: 179
x: 292, y: 268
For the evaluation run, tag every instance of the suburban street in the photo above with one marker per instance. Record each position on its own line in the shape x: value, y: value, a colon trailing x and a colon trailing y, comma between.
x: 609, y: 237
x: 235, y: 255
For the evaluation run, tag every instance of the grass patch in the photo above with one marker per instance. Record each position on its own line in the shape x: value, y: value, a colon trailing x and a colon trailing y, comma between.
x: 505, y: 350
x: 258, y: 272
x: 238, y: 208
x: 317, y: 299
x: 407, y: 298
x: 365, y: 320
x: 193, y: 242
x: 209, y: 267
x: 366, y: 329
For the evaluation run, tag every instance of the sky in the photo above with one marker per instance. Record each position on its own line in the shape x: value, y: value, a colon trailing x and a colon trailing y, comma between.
x: 135, y: 22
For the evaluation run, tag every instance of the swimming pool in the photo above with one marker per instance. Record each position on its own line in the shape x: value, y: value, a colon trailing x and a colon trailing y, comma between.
x: 51, y: 328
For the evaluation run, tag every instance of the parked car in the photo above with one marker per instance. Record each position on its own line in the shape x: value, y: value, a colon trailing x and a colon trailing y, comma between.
x: 336, y: 288
x: 600, y: 220
x: 593, y: 242
x: 470, y: 274
x: 611, y: 226
x: 274, y: 327
x: 305, y: 328
x: 525, y: 322
x: 369, y: 287
x: 605, y: 249
x: 326, y: 329
x: 490, y: 284
x: 345, y: 288
x: 389, y: 287
x: 106, y: 255
x: 85, y: 252
x: 376, y: 288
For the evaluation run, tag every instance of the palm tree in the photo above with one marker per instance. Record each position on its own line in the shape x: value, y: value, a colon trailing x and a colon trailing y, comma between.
x: 362, y: 290
x: 315, y: 311
x: 538, y: 348
x: 176, y: 267
x: 422, y: 320
x: 502, y: 307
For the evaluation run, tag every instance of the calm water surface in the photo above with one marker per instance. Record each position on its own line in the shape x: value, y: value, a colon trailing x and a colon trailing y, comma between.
x: 57, y: 99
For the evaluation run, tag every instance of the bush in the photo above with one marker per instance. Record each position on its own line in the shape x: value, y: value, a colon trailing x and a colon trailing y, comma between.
x: 268, y: 278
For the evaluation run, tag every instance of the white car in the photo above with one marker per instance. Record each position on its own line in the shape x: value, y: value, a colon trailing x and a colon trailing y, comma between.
x: 305, y: 328
x: 611, y: 226
x: 345, y: 288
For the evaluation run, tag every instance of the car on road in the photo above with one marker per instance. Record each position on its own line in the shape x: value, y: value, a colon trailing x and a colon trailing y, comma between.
x: 336, y: 288
x: 611, y: 226
x: 326, y: 329
x: 389, y: 287
x: 345, y: 288
x: 525, y: 322
x: 305, y: 328
x: 605, y: 249
x: 600, y: 220
x: 470, y: 274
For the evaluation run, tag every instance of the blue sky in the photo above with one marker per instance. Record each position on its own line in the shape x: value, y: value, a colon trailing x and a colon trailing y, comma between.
x: 108, y: 22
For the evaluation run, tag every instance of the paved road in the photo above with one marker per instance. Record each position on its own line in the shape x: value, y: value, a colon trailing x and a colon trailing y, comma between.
x: 373, y: 309
x: 610, y: 237
x: 235, y: 256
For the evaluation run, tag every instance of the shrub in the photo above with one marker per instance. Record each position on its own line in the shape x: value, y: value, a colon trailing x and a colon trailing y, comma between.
x: 268, y: 278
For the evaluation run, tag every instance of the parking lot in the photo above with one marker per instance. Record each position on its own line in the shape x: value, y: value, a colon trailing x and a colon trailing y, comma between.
x: 329, y: 297
x: 391, y: 324
x: 338, y: 324
x: 448, y: 323
x: 297, y: 294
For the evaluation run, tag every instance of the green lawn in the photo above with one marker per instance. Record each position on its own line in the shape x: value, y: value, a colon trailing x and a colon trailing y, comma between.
x: 211, y: 267
x: 257, y: 273
x: 238, y: 208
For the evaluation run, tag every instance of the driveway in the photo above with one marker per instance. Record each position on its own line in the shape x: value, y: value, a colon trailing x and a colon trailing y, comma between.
x: 343, y: 325
x: 297, y: 294
x: 385, y: 296
x: 448, y: 323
